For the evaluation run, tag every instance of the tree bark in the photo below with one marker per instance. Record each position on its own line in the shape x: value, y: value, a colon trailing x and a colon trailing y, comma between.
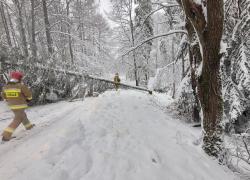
x: 47, y: 27
x: 209, y: 83
x: 194, y: 60
x: 209, y: 88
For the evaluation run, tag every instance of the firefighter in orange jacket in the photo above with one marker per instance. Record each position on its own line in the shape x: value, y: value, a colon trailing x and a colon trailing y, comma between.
x: 17, y: 96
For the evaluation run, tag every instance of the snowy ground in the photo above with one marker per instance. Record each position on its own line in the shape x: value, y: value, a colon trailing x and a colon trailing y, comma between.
x: 117, y: 136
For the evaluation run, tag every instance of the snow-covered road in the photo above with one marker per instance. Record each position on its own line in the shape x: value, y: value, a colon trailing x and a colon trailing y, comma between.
x: 117, y: 136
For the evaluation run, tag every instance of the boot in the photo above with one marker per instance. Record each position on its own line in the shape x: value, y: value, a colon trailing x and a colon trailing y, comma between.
x: 6, y: 135
x: 5, y: 139
x: 30, y: 127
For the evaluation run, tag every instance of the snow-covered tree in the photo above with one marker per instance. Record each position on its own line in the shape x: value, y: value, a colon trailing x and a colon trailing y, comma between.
x: 68, y: 34
x: 123, y: 15
x: 144, y: 30
x: 236, y: 65
x: 207, y: 18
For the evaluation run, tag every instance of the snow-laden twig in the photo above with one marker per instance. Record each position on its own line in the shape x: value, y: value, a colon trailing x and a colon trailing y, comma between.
x: 155, y: 37
x: 166, y: 5
x: 7, y: 5
x: 242, y: 150
x: 58, y: 22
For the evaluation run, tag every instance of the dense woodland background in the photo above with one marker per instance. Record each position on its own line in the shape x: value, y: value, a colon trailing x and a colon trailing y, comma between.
x: 165, y: 45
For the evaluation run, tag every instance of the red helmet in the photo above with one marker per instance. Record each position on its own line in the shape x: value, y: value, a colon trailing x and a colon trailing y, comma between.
x: 16, y: 75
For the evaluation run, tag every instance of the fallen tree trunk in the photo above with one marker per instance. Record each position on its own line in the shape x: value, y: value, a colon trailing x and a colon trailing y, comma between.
x: 72, y: 73
x: 122, y: 84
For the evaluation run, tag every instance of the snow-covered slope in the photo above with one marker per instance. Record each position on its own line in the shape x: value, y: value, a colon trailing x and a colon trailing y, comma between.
x: 118, y: 136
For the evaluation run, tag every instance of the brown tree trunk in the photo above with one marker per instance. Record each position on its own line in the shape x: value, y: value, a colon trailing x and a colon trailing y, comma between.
x: 47, y: 27
x: 194, y: 60
x: 209, y: 83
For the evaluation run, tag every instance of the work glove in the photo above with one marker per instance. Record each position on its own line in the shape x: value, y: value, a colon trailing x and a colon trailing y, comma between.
x: 29, y: 102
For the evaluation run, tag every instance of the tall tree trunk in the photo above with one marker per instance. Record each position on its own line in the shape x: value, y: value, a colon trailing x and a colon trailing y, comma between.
x: 171, y: 26
x: 210, y: 82
x: 33, y: 35
x: 5, y: 24
x: 209, y: 31
x: 173, y: 59
x: 21, y: 28
x: 209, y: 86
x: 135, y: 69
x: 194, y: 60
x: 14, y: 38
x: 47, y: 27
x: 70, y: 39
x: 157, y: 44
x: 133, y: 43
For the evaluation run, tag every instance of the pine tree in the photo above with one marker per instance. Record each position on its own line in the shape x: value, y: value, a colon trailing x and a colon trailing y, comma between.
x: 236, y: 64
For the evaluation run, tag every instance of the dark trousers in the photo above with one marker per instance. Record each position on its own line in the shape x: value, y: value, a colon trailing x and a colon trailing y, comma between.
x: 116, y: 86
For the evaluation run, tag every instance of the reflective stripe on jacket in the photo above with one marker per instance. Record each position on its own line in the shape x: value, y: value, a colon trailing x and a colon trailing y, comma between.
x: 16, y: 95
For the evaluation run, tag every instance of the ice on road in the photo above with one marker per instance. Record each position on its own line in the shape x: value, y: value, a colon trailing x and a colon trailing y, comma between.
x: 120, y: 135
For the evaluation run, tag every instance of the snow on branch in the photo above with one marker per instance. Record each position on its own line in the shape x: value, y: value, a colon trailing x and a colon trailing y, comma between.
x: 166, y: 67
x: 182, y: 47
x: 59, y: 22
x: 151, y: 13
x: 155, y: 37
x: 163, y: 5
x: 7, y: 5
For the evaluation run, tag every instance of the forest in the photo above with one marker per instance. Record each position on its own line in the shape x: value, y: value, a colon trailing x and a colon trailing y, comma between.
x: 195, y: 51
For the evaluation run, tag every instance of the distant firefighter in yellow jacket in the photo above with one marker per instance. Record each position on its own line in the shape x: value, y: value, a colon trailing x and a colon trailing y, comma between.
x: 117, y: 81
x: 17, y: 96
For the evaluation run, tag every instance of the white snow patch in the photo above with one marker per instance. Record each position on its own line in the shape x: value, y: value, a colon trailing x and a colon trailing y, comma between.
x: 197, y: 2
x: 119, y: 135
x: 223, y: 47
